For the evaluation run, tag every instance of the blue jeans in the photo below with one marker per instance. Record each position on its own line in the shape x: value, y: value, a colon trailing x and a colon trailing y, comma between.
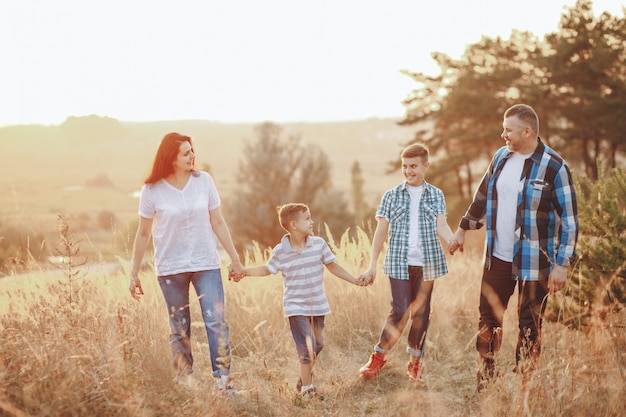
x: 410, y: 300
x: 307, y: 332
x: 210, y: 292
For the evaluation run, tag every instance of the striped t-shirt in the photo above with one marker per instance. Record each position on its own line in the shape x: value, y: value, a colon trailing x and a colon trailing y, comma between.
x: 303, y: 276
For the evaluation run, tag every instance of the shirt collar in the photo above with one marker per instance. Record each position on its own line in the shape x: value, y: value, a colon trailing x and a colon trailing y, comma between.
x: 405, y: 186
x: 539, y: 150
x: 287, y: 244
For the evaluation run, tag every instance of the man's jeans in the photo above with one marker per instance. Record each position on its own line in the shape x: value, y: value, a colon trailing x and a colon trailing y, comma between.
x: 497, y: 286
x: 210, y: 292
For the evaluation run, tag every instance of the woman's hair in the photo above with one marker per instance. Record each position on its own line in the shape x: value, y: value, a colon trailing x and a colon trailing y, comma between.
x: 165, y: 156
x: 288, y: 212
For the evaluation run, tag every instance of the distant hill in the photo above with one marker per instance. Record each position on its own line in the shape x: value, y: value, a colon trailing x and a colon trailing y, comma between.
x: 83, y: 148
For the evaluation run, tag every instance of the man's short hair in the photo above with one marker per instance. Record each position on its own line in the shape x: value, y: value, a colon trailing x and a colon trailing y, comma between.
x: 288, y: 212
x: 417, y: 150
x: 526, y: 114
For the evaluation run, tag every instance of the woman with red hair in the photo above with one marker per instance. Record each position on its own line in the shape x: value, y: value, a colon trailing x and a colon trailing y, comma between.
x: 180, y: 207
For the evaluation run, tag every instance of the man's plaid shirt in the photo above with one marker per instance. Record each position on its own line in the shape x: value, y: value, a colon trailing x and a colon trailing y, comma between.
x: 547, y: 214
x: 395, y: 207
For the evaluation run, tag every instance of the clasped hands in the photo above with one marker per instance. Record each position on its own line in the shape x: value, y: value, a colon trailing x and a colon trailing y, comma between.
x: 456, y: 242
x: 365, y: 279
x: 236, y: 272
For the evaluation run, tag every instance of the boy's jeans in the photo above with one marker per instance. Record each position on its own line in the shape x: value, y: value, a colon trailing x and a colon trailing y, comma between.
x: 410, y: 300
x: 308, y: 333
x: 210, y: 291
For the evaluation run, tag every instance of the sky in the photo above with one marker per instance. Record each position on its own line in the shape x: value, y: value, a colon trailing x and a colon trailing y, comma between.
x: 239, y: 60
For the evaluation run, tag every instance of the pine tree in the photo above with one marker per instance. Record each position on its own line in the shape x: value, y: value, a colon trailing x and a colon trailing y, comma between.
x: 598, y: 284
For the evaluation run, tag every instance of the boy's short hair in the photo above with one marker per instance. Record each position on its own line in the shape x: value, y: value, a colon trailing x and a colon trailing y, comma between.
x: 417, y: 150
x: 288, y: 212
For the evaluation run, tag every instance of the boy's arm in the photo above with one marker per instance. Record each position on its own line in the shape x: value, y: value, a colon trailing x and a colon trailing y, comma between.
x: 443, y: 229
x: 338, y: 271
x: 256, y: 271
x: 380, y: 234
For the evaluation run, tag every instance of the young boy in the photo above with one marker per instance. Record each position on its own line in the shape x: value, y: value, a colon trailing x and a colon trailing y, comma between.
x: 301, y: 257
x: 412, y: 214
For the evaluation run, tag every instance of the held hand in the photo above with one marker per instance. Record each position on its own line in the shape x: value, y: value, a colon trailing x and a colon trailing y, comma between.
x: 236, y: 271
x: 557, y: 279
x: 135, y: 288
x: 457, y: 241
x: 361, y: 281
x: 368, y: 277
x: 232, y: 276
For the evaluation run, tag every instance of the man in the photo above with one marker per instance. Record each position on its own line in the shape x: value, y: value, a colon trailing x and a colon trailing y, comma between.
x: 529, y: 201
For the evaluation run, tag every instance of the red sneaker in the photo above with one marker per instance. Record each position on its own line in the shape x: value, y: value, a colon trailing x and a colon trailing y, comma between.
x: 413, y: 371
x: 373, y: 366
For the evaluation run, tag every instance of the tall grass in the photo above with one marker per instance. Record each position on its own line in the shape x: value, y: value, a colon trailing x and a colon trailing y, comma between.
x: 104, y: 354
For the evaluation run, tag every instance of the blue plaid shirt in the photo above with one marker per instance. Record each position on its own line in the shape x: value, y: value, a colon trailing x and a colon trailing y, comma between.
x: 395, y: 207
x: 547, y: 215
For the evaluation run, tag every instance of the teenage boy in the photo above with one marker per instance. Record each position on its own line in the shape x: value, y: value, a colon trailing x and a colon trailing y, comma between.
x: 301, y: 257
x: 413, y: 217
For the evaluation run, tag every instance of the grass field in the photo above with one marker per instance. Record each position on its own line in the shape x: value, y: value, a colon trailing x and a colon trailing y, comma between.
x: 74, y: 343
x: 104, y: 354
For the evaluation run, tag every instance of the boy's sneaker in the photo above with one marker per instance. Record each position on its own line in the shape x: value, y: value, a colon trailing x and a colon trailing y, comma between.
x: 373, y: 366
x: 312, y: 395
x: 413, y: 371
x: 225, y: 386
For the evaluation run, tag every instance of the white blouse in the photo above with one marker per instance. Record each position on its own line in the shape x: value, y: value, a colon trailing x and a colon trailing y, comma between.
x: 181, y: 231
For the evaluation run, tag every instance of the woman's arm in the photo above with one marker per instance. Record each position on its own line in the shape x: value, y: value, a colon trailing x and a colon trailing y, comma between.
x: 220, y: 228
x: 139, y: 249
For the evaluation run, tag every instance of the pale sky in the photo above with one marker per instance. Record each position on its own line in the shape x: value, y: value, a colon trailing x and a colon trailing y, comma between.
x: 239, y: 60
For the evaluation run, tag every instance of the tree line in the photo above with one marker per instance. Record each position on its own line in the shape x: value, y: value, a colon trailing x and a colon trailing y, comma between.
x: 574, y: 78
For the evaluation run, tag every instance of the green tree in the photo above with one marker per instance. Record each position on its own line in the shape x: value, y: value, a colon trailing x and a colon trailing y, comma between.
x: 459, y: 112
x: 598, y: 282
x: 587, y: 82
x: 575, y: 79
x: 276, y: 171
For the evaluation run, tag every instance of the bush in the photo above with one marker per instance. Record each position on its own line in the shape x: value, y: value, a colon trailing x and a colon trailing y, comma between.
x: 598, y: 283
x: 107, y: 220
x: 19, y: 245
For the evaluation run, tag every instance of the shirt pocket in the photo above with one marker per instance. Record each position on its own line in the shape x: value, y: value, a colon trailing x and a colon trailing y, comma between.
x: 397, y: 219
x: 430, y: 214
x: 540, y: 196
x: 397, y: 215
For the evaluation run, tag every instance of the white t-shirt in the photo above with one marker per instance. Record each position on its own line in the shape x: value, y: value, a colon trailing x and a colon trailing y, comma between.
x: 508, y: 186
x: 181, y: 231
x: 415, y: 255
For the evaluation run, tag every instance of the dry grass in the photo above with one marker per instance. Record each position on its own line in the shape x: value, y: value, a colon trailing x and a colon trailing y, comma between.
x: 106, y: 355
